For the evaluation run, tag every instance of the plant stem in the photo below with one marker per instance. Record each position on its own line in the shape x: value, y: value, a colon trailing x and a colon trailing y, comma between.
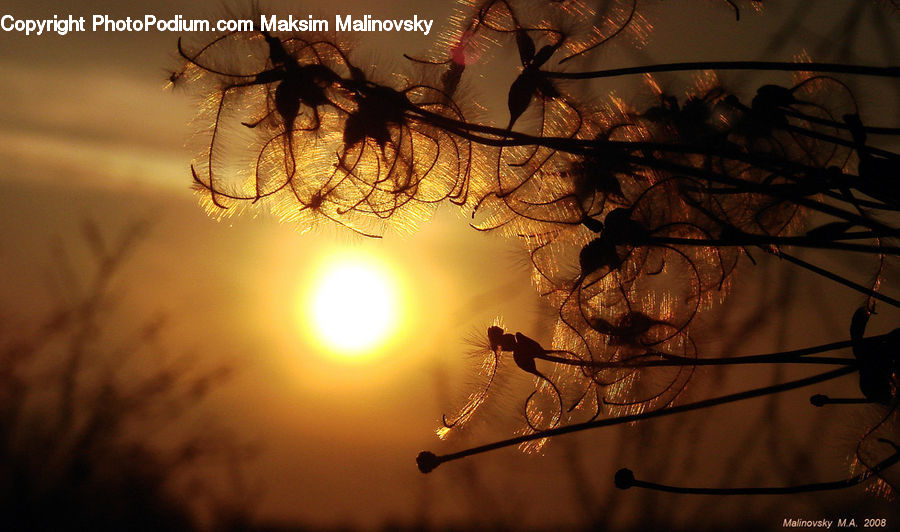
x: 874, y: 130
x: 836, y: 278
x: 802, y: 488
x: 746, y: 239
x: 822, y: 400
x: 435, y: 460
x: 760, y: 188
x: 831, y: 68
x: 795, y: 356
x: 587, y: 147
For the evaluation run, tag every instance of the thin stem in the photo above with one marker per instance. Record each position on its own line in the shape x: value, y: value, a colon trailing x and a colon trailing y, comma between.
x: 874, y: 130
x: 427, y: 461
x: 586, y: 147
x: 835, y: 140
x: 795, y: 356
x: 625, y: 479
x: 746, y: 239
x: 679, y: 361
x: 507, y: 138
x: 760, y: 188
x: 820, y: 136
x: 576, y: 146
x: 836, y: 278
x: 832, y: 68
x: 822, y: 400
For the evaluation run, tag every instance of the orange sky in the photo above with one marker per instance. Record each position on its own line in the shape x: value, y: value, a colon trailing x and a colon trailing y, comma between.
x: 89, y: 133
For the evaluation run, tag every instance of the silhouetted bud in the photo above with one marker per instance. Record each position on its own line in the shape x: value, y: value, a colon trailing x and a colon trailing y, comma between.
x: 769, y: 101
x: 500, y: 340
x: 818, y: 400
x: 525, y: 352
x: 427, y: 461
x: 624, y: 479
x: 621, y: 229
x: 598, y: 253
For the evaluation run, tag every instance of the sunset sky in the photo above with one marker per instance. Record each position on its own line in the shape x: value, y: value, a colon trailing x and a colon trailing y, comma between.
x: 89, y: 133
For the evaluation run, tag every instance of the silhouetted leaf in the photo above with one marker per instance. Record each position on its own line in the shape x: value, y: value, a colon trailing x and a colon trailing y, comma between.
x: 544, y: 54
x: 525, y: 354
x: 520, y: 95
x: 526, y: 46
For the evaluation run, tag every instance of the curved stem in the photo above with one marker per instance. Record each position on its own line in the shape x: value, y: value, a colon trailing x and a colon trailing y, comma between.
x: 625, y: 480
x: 819, y: 135
x: 506, y: 138
x: 760, y: 188
x: 428, y: 461
x: 589, y: 147
x: 831, y: 68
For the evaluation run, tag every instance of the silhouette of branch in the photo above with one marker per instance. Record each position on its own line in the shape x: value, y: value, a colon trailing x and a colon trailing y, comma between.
x: 829, y: 68
x: 427, y: 461
x: 624, y: 479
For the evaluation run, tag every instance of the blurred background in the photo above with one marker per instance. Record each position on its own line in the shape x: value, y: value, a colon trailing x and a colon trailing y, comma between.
x: 158, y: 371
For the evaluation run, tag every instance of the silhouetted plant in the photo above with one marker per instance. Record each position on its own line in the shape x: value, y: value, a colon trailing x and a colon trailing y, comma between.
x: 78, y: 417
x: 636, y: 220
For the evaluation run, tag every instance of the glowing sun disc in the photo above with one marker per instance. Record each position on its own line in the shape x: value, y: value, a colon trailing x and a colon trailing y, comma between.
x: 353, y: 308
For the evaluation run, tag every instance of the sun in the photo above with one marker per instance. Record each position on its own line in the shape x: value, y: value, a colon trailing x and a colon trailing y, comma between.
x: 353, y: 307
